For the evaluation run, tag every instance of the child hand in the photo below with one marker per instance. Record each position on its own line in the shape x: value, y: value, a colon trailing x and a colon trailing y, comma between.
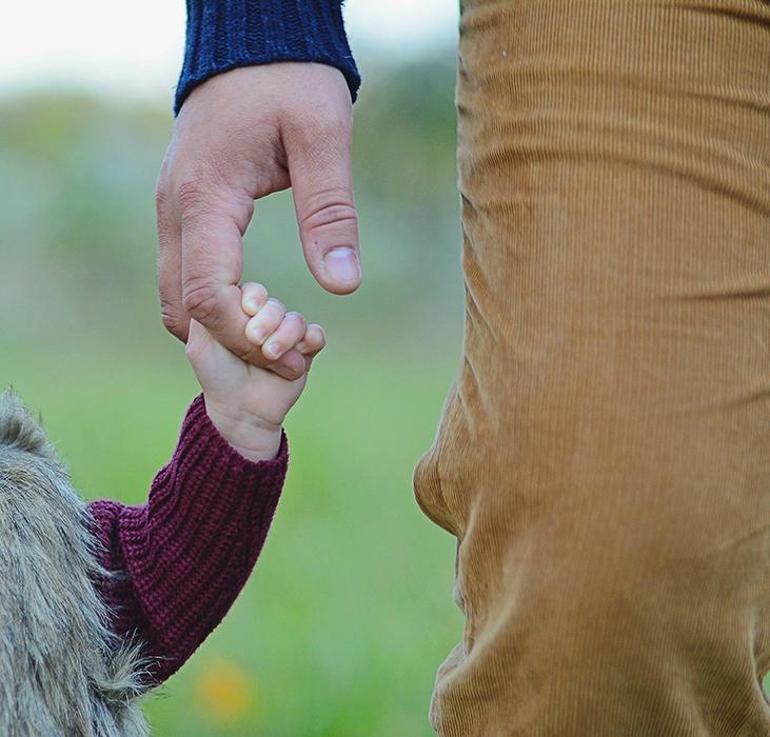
x: 248, y: 404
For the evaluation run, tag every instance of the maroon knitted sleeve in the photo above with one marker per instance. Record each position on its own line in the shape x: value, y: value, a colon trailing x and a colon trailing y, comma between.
x: 181, y: 559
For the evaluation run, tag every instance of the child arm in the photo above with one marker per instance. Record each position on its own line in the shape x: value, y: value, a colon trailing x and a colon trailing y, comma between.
x: 181, y: 559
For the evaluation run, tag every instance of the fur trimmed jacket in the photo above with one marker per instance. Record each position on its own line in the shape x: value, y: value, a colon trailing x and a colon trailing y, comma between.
x: 98, y: 603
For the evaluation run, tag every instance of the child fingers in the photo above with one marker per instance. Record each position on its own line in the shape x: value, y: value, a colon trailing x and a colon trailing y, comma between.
x: 313, y: 341
x: 286, y: 335
x: 266, y: 321
x: 253, y: 298
x: 312, y: 344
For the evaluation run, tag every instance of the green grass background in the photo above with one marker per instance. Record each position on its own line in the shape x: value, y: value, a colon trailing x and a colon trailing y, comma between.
x: 349, y: 612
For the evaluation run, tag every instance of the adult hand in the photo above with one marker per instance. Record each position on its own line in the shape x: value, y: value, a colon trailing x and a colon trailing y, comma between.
x: 242, y: 135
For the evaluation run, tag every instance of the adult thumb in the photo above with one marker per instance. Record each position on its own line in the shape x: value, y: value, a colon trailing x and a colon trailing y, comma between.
x: 322, y: 186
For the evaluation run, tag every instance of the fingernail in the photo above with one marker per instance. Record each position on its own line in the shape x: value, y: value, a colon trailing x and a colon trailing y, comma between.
x: 251, y: 306
x: 257, y: 335
x: 271, y: 349
x: 342, y: 265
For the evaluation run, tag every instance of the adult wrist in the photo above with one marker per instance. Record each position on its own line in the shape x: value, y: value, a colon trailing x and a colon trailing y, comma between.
x: 223, y: 36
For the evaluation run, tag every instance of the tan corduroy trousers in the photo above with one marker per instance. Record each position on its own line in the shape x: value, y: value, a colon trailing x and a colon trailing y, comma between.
x: 604, y: 454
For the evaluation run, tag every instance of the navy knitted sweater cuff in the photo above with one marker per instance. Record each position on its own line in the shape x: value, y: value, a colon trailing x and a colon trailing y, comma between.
x: 225, y: 35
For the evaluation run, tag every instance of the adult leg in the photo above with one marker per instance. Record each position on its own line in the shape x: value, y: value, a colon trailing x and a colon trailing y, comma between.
x: 604, y: 455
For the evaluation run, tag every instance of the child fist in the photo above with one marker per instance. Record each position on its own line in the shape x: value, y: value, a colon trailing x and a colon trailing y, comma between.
x: 248, y: 404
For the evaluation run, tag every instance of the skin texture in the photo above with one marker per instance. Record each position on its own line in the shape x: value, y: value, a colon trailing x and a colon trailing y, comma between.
x: 246, y: 403
x: 240, y: 136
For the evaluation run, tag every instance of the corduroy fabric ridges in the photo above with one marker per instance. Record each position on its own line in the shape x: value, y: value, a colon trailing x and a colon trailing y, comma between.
x: 225, y: 34
x: 183, y: 557
x: 603, y: 457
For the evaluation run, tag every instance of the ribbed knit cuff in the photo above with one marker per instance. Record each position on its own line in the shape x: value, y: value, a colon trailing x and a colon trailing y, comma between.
x: 198, y: 426
x: 207, y: 485
x: 223, y: 35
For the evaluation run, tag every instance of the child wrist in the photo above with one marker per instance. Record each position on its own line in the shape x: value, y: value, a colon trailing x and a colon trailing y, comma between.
x: 254, y: 437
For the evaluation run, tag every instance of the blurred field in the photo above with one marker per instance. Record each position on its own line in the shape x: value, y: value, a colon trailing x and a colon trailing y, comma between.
x: 340, y: 631
x: 349, y: 612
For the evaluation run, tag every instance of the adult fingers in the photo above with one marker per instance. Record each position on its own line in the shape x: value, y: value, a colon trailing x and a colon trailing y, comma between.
x: 318, y: 154
x: 212, y: 263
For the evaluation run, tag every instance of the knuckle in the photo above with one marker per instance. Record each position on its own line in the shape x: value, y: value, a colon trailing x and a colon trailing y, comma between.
x: 161, y: 198
x: 168, y: 237
x: 164, y: 217
x: 190, y: 192
x: 251, y: 355
x: 200, y: 301
x: 329, y: 126
x: 331, y: 117
x: 172, y: 320
x: 194, y: 198
x: 162, y: 182
x: 332, y: 207
x: 320, y: 123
